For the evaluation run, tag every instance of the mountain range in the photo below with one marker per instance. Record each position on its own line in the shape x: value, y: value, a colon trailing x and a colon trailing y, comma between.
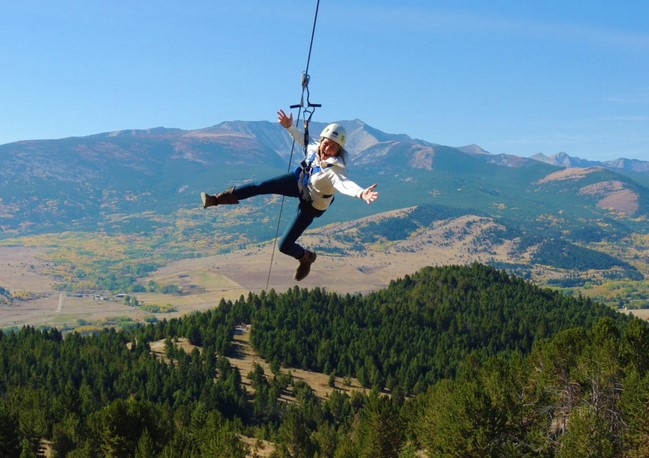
x: 571, y: 214
x: 621, y: 164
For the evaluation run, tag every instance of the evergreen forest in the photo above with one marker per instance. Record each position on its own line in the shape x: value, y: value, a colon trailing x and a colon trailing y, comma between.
x: 457, y: 361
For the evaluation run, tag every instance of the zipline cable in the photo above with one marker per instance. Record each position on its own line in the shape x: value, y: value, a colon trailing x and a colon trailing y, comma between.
x: 304, y: 109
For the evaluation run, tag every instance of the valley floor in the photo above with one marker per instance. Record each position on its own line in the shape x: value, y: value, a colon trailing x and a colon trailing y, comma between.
x: 24, y: 271
x: 30, y: 275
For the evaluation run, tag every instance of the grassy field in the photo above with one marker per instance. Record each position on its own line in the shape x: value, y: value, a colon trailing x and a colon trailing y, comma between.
x: 32, y: 272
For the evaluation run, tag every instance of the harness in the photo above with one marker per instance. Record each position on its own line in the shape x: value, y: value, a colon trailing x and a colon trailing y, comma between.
x: 303, y: 174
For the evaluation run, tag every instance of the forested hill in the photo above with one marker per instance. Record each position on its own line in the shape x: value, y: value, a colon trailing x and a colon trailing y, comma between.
x: 417, y: 330
x: 495, y: 367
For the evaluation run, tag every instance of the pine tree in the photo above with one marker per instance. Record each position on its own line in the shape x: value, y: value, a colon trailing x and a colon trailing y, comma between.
x: 9, y: 434
x: 381, y: 431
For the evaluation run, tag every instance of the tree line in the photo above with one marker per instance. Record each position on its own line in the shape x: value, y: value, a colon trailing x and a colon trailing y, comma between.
x: 415, y: 331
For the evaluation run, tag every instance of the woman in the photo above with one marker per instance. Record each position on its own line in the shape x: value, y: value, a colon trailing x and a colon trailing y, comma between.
x: 321, y: 174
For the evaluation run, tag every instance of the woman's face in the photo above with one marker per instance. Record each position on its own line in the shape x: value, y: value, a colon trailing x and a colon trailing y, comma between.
x: 328, y: 148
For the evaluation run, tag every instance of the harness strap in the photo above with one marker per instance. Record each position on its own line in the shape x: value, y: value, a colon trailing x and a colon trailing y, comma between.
x: 306, y: 171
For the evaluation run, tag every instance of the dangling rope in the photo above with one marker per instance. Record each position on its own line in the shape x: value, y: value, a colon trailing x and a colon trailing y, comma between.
x: 306, y: 109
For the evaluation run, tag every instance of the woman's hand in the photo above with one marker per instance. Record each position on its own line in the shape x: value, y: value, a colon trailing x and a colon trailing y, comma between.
x: 285, y: 121
x: 370, y: 195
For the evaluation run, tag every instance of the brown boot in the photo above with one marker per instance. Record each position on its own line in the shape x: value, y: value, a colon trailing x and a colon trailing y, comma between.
x: 225, y: 198
x: 305, y: 265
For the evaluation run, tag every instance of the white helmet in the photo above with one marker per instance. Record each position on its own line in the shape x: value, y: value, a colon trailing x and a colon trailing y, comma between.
x: 335, y: 132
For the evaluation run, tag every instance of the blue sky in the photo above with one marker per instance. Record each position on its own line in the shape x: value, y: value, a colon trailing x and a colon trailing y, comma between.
x: 516, y: 77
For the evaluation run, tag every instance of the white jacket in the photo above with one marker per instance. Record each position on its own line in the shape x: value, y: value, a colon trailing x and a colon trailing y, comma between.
x: 328, y: 177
